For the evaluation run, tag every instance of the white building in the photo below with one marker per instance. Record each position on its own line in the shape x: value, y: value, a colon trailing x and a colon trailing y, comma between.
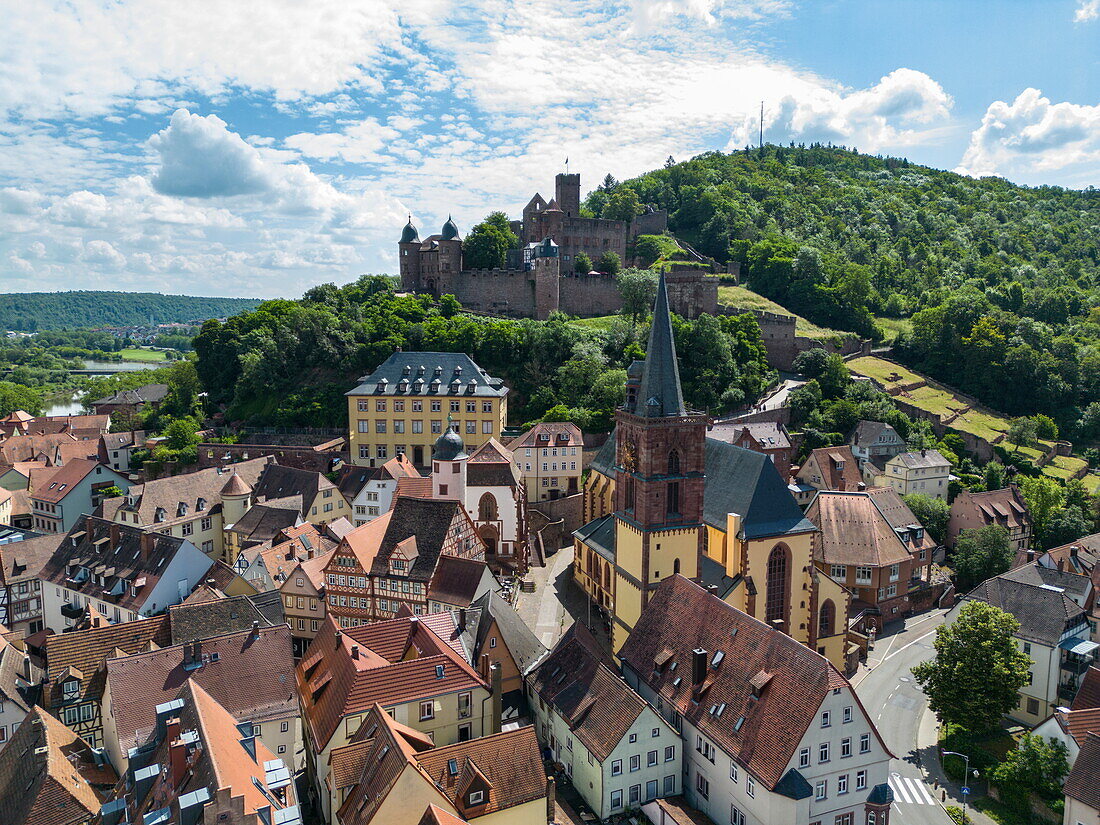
x: 123, y: 572
x: 616, y: 749
x: 370, y: 490
x: 771, y: 731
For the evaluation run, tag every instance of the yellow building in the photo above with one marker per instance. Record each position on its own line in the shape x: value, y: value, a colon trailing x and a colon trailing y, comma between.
x: 662, y: 498
x: 404, y: 405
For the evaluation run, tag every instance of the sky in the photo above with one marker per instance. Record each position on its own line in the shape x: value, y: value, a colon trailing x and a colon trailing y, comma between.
x: 218, y: 147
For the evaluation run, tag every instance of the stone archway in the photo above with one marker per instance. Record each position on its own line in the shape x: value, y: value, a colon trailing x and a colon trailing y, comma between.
x: 490, y: 536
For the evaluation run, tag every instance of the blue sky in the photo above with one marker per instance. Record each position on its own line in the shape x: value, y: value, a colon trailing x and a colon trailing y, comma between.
x: 256, y: 149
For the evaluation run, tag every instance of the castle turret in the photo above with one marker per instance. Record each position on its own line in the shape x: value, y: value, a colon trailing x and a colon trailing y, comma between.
x: 450, y: 256
x: 409, y: 256
x: 567, y: 192
x: 449, y: 465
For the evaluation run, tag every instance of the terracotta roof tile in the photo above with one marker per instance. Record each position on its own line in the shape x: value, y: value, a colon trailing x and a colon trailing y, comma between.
x: 66, y: 478
x: 1083, y: 782
x: 683, y: 617
x: 854, y: 531
x: 555, y: 429
x: 1088, y: 695
x: 414, y: 487
x: 456, y: 580
x: 167, y: 493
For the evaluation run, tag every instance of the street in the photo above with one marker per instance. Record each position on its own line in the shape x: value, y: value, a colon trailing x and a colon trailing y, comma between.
x: 897, y: 704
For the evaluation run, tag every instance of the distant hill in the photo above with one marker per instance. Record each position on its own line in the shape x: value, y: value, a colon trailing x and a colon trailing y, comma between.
x: 33, y: 311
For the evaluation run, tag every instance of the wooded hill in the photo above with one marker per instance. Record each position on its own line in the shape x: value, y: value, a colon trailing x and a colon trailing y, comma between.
x: 998, y: 282
x: 33, y: 311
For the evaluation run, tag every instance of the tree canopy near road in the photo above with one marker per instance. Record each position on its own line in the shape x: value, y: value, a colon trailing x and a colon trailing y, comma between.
x: 973, y: 679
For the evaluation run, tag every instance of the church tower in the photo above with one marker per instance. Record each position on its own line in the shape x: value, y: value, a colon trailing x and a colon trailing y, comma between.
x: 659, y: 478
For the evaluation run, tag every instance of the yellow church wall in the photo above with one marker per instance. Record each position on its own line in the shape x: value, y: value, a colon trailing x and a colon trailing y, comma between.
x: 628, y: 549
x: 666, y: 549
x: 833, y: 647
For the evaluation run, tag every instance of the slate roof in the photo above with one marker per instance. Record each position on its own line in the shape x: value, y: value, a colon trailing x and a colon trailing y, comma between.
x: 263, y: 522
x: 584, y: 689
x: 491, y: 466
x: 924, y: 459
x: 599, y: 534
x: 737, y: 481
x: 681, y: 617
x: 251, y: 677
x: 769, y: 434
x: 48, y: 775
x: 1044, y: 615
x: 748, y: 483
x: 659, y: 394
x: 277, y: 481
x: 429, y: 520
x: 190, y: 622
x: 1083, y: 782
x: 853, y: 531
x: 411, y: 366
x: 86, y: 652
x: 127, y: 558
x: 1075, y: 585
x: 517, y: 636
x: 148, y: 394
x: 868, y: 432
x: 332, y: 684
x: 167, y: 493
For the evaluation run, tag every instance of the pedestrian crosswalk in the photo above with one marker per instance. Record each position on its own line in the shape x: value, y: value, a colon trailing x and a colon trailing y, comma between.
x: 911, y: 791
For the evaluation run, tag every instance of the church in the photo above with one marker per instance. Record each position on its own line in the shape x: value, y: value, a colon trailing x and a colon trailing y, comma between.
x: 663, y: 498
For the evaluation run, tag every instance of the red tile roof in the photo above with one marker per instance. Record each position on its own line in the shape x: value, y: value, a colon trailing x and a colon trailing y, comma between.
x: 682, y: 617
x: 456, y: 580
x: 854, y: 531
x: 396, y: 661
x: 65, y: 479
x: 1083, y: 782
x: 1088, y: 695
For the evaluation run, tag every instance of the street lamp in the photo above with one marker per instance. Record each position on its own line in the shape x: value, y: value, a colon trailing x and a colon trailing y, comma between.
x: 965, y: 790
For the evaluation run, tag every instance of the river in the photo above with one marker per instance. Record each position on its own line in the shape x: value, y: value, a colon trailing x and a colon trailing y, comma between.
x: 72, y: 406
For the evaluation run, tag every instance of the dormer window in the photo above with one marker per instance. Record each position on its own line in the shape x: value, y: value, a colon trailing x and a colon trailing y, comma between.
x: 405, y: 370
x: 438, y: 371
x: 475, y: 798
x: 160, y: 515
x: 70, y: 689
x: 181, y: 509
x: 200, y: 505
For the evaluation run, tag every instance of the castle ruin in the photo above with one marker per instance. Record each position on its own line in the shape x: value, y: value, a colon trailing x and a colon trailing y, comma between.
x: 539, y: 278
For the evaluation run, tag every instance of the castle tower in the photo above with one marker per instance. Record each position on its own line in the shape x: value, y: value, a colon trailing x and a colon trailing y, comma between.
x: 567, y: 192
x: 450, y: 256
x: 408, y: 253
x: 236, y: 496
x: 449, y: 465
x: 659, y: 477
x: 545, y: 269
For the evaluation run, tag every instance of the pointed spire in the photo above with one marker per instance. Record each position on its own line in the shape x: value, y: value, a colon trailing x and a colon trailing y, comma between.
x: 659, y: 394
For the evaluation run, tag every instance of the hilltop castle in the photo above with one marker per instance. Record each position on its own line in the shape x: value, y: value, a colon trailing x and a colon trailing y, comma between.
x: 539, y: 278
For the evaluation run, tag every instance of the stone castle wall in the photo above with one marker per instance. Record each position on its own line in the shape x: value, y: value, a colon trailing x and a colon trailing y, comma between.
x: 589, y: 295
x: 508, y: 292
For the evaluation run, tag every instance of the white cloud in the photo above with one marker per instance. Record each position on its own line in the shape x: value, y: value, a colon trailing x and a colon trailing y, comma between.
x: 650, y: 14
x: 360, y: 143
x: 1032, y: 135
x: 101, y: 252
x: 200, y: 157
x: 1087, y: 11
x: 19, y: 201
x: 81, y: 208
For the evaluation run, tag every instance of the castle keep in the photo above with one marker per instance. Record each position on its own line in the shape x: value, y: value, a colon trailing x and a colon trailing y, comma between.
x: 539, y: 277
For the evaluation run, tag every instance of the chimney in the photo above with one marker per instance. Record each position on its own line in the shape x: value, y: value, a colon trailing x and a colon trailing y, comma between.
x: 698, y: 666
x: 923, y: 452
x: 1030, y: 556
x: 172, y: 729
x: 1073, y: 548
x: 461, y: 619
x: 255, y: 634
x: 355, y: 651
x: 113, y: 533
x: 841, y: 484
x: 177, y: 760
x: 483, y: 666
x: 861, y: 486
x: 551, y: 799
x: 1061, y: 563
x: 148, y: 539
x: 495, y: 686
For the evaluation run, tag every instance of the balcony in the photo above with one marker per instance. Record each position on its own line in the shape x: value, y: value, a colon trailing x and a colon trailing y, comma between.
x: 1076, y: 665
x: 1067, y: 693
x: 70, y: 610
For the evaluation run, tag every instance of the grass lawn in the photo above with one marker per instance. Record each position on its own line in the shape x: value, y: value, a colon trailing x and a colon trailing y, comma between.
x: 1092, y: 483
x: 739, y: 296
x: 142, y: 354
x: 881, y: 370
x: 892, y: 327
x: 598, y: 322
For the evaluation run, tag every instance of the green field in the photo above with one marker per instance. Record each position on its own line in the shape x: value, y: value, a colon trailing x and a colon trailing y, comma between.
x: 142, y: 354
x: 739, y: 296
x: 892, y: 327
x: 984, y: 424
x: 598, y: 322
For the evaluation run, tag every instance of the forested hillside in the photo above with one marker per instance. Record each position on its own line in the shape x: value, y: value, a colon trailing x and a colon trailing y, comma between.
x: 290, y: 362
x: 1000, y: 281
x: 32, y: 311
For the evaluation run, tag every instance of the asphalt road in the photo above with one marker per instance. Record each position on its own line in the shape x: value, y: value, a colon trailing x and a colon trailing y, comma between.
x: 897, y: 704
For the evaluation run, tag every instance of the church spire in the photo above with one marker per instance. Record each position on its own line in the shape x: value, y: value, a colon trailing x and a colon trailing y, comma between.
x: 659, y: 394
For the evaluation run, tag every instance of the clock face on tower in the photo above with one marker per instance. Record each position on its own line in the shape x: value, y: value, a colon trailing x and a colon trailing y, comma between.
x: 630, y: 456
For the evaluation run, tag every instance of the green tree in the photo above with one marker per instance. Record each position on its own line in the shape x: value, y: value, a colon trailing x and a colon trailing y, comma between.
x: 638, y: 288
x: 487, y: 244
x: 811, y: 363
x: 1036, y: 765
x: 1044, y: 497
x: 582, y: 263
x: 181, y: 433
x: 609, y: 263
x: 1045, y: 427
x: 973, y: 679
x: 1022, y: 432
x: 994, y: 475
x: 18, y: 397
x: 622, y: 205
x: 932, y: 513
x: 804, y: 401
x: 980, y: 554
x: 834, y: 378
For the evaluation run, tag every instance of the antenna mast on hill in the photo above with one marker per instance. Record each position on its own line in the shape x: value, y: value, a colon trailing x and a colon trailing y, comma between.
x: 761, y: 124
x: 567, y: 166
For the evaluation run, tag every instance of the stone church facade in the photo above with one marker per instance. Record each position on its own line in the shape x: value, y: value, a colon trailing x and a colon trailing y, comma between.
x: 539, y: 277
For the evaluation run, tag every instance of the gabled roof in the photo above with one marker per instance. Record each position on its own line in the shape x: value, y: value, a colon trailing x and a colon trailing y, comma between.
x: 853, y: 531
x: 48, y: 775
x: 599, y: 534
x: 428, y: 367
x: 868, y: 432
x: 900, y: 517
x: 770, y: 435
x: 659, y: 394
x: 168, y: 493
x: 561, y: 434
x: 277, y: 481
x: 429, y: 520
x: 1075, y: 585
x: 66, y: 478
x: 747, y: 483
x: 491, y: 466
x: 524, y: 646
x: 232, y: 614
x: 18, y: 678
x: 762, y: 734
x: 1044, y: 614
x: 839, y: 468
x: 263, y: 522
x: 1088, y: 694
x: 26, y: 558
x: 1079, y: 723
x: 584, y: 690
x: 332, y: 683
x: 1079, y: 556
x: 1083, y: 782
x: 249, y: 673
x: 923, y: 459
x: 87, y: 651
x: 456, y: 580
x: 1005, y: 506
